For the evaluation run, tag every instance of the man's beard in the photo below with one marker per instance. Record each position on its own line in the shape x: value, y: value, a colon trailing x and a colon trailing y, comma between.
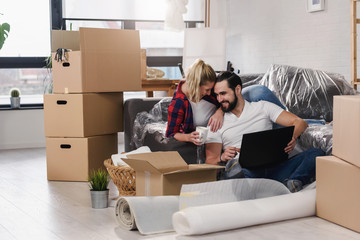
x: 231, y: 106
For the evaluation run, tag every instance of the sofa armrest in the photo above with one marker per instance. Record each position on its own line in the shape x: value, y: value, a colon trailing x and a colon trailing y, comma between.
x: 131, y: 108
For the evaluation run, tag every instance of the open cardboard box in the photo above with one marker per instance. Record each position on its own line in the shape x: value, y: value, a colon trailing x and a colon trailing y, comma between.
x: 163, y: 173
x: 83, y: 115
x: 100, y: 60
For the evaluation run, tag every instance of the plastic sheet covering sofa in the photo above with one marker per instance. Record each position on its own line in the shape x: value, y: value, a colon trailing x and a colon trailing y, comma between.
x: 307, y: 93
x: 317, y: 136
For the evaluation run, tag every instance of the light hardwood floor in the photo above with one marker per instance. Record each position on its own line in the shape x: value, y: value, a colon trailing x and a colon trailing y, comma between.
x: 33, y: 208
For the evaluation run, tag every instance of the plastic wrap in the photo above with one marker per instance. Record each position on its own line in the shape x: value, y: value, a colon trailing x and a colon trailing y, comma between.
x: 317, y: 136
x: 307, y: 93
x: 251, y: 77
x: 152, y: 122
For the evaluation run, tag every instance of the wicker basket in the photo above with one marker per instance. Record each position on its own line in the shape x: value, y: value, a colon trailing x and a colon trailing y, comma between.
x: 123, y: 177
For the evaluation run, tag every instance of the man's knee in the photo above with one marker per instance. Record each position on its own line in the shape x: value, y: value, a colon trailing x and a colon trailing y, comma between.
x: 255, y: 93
x: 315, y: 152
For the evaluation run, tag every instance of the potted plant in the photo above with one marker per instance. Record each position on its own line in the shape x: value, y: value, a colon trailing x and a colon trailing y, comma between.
x: 99, y: 181
x: 15, y: 98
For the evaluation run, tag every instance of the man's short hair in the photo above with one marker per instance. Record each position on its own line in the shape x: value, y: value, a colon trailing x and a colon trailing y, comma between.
x: 232, y: 79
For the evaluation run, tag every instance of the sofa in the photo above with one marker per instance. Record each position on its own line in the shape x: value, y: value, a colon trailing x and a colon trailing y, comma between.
x: 307, y: 93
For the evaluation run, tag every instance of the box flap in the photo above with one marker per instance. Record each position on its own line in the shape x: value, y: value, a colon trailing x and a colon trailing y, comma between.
x: 65, y: 39
x: 141, y: 165
x: 110, y: 54
x: 196, y: 168
x: 112, y: 40
x: 163, y: 161
x: 205, y: 166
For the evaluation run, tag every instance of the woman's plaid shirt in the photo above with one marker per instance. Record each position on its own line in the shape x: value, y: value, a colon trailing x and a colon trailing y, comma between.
x: 180, y: 115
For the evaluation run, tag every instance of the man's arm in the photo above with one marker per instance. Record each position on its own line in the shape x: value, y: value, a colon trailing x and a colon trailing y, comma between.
x: 213, y: 152
x: 288, y: 119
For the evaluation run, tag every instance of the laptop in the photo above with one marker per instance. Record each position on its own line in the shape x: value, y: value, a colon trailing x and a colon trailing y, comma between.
x: 265, y: 148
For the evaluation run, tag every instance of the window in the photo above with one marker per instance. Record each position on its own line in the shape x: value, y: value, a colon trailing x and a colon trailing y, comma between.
x: 22, y: 59
x: 23, y: 54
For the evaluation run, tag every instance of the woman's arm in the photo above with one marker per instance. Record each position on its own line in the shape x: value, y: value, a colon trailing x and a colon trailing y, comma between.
x: 188, y: 137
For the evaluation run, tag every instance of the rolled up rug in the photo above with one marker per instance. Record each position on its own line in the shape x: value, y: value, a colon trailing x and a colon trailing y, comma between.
x: 233, y: 215
x: 206, y: 207
x: 147, y: 214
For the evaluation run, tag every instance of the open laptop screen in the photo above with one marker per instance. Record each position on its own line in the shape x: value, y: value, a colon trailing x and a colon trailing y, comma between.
x: 265, y: 148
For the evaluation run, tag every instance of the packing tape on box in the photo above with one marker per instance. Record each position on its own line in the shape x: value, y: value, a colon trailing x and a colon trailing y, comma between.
x: 210, y: 207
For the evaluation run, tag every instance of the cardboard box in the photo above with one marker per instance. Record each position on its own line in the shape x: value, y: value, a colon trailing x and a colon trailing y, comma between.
x: 83, y: 115
x: 100, y: 60
x: 72, y: 159
x: 338, y: 192
x: 346, y: 128
x: 143, y: 64
x: 163, y: 173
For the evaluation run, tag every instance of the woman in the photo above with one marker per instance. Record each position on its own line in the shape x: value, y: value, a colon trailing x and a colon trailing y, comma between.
x: 194, y: 104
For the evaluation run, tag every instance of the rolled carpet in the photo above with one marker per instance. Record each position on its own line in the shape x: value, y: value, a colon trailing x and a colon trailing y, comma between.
x: 147, y: 214
x: 232, y: 215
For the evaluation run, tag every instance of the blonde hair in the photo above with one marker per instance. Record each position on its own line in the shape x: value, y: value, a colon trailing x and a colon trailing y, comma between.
x: 198, y: 74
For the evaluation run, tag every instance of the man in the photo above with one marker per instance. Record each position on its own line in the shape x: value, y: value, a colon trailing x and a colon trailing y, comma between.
x: 243, y: 117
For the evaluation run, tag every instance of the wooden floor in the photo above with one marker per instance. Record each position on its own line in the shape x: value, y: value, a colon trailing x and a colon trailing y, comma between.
x: 33, y: 208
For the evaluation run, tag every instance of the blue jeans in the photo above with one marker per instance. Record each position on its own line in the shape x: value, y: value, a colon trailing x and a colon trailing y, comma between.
x: 300, y: 167
x: 257, y: 93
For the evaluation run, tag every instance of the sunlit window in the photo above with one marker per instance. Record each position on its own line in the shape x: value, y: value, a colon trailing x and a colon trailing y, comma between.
x: 29, y: 36
x: 29, y: 28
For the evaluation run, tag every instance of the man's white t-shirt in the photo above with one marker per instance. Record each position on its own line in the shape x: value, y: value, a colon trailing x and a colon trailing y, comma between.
x: 202, y: 111
x: 256, y: 116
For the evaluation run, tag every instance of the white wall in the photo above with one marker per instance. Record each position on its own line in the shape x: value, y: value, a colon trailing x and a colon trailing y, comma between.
x: 25, y: 129
x: 262, y: 32
x: 21, y: 129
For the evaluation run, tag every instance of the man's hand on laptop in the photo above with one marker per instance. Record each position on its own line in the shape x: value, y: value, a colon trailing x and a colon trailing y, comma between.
x: 290, y: 146
x: 229, y: 153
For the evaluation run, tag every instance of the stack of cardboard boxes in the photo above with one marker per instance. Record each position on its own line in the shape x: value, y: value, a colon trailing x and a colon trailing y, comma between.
x: 338, y: 176
x: 85, y: 112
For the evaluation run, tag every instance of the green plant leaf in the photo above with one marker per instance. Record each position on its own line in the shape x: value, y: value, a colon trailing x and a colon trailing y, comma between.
x: 99, y: 180
x: 4, y: 33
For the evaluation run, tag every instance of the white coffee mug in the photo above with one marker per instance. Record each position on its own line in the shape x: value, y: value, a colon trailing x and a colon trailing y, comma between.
x: 203, y: 132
